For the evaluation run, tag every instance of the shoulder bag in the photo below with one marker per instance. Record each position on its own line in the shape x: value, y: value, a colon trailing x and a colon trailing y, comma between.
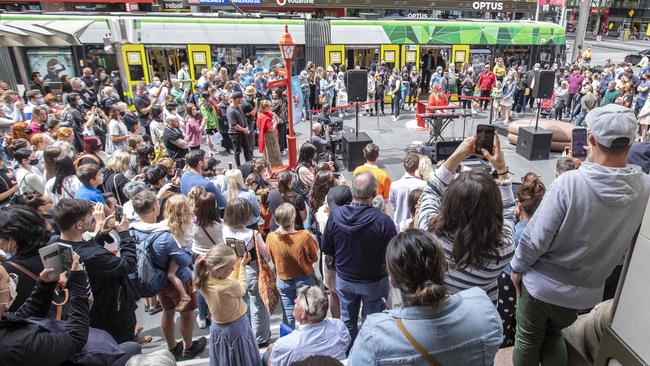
x: 60, y: 292
x: 418, y: 347
x: 266, y: 280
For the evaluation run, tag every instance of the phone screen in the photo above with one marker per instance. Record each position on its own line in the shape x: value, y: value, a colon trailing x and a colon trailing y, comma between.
x: 578, y: 142
x: 484, y: 139
x: 118, y: 213
x: 65, y: 252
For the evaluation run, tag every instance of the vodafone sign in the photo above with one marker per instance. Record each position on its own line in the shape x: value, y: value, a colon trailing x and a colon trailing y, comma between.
x: 294, y: 2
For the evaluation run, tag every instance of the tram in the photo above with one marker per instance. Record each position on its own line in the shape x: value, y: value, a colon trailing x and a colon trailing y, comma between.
x: 155, y: 44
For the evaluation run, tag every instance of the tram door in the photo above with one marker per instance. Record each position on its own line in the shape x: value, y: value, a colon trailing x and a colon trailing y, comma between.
x: 389, y: 53
x: 136, y: 66
x: 334, y: 55
x: 363, y: 57
x: 200, y: 58
x: 165, y: 62
x: 410, y: 59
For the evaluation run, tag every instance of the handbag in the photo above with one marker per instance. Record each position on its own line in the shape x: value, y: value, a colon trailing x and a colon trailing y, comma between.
x: 418, y: 347
x: 266, y: 281
x: 58, y: 306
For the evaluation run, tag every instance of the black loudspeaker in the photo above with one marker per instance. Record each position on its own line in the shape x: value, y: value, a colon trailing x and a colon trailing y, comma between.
x: 353, y: 149
x: 543, y: 84
x: 444, y: 149
x: 534, y: 144
x: 357, y: 84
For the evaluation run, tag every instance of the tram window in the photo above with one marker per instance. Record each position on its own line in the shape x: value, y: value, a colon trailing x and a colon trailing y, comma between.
x: 136, y: 72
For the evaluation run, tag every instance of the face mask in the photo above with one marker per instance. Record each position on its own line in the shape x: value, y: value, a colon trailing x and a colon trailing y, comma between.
x: 11, y: 287
x: 41, y: 100
x: 156, y: 83
x: 186, y: 68
x: 34, y: 162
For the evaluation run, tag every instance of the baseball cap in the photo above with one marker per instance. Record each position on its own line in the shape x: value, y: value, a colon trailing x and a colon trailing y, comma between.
x: 437, y: 87
x: 338, y: 196
x: 612, y: 125
x: 237, y: 95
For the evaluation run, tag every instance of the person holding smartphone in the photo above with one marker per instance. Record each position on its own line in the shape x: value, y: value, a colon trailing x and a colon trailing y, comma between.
x: 473, y: 215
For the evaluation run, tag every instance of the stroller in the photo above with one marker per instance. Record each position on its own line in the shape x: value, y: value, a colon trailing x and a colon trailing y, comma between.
x: 546, y: 106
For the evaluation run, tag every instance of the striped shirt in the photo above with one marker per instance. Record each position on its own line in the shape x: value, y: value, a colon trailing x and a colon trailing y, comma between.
x: 483, y: 276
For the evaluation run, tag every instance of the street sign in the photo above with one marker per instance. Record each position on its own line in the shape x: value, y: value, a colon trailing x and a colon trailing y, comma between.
x: 276, y: 83
x: 631, y: 13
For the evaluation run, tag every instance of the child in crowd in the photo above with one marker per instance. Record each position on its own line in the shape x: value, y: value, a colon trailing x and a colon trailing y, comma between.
x: 496, y: 97
x: 221, y: 278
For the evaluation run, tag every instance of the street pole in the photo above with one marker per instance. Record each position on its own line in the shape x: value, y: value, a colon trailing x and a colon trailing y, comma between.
x: 537, y: 12
x: 291, y: 139
x: 583, y: 17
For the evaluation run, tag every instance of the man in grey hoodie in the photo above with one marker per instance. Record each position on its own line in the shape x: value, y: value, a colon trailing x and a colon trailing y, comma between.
x: 577, y: 236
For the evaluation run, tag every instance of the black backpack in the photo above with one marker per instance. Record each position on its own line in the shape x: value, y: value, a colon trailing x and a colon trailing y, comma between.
x: 298, y: 186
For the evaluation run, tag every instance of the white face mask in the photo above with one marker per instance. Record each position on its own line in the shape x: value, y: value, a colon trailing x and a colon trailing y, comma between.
x: 11, y: 287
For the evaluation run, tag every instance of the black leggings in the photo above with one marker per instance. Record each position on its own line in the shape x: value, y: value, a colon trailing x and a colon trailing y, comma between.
x: 413, y: 94
x: 379, y: 97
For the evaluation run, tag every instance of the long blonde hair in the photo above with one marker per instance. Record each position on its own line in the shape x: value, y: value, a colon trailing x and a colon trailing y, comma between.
x: 217, y: 258
x: 178, y: 214
x: 235, y: 183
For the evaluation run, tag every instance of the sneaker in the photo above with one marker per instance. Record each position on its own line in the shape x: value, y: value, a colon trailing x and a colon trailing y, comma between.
x: 177, y: 351
x: 196, y: 348
x: 203, y: 323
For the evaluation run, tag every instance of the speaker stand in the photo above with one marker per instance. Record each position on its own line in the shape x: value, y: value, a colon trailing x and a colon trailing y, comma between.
x: 356, y: 115
x: 378, y: 130
x: 537, y: 119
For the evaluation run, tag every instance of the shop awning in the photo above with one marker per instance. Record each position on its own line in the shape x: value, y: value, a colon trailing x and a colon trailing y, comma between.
x: 39, y: 33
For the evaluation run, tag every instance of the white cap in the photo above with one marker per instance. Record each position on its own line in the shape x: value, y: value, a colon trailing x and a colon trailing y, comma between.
x: 612, y: 124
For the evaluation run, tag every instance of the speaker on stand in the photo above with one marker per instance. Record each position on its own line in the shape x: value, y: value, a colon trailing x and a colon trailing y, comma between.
x: 534, y: 143
x: 356, y: 83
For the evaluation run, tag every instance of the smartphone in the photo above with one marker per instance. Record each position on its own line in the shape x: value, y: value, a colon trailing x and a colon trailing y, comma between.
x: 230, y: 165
x: 57, y: 256
x: 578, y: 142
x: 118, y: 213
x: 484, y: 139
x: 238, y: 245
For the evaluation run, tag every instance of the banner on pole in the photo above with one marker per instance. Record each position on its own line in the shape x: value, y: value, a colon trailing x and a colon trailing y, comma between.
x: 297, y: 102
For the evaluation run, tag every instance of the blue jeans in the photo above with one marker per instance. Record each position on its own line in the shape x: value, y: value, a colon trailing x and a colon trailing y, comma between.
x: 257, y: 313
x: 351, y: 294
x: 405, y: 91
x: 396, y: 103
x: 638, y: 105
x: 288, y: 290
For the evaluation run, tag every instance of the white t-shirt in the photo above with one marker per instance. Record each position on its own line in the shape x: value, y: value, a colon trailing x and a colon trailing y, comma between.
x: 116, y: 128
x: 70, y: 185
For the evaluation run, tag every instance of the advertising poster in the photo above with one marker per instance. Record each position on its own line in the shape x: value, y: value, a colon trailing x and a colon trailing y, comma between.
x: 297, y: 102
x: 52, y: 63
x: 270, y: 59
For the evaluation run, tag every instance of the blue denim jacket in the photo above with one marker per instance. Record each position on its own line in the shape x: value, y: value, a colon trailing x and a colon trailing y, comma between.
x: 465, y: 330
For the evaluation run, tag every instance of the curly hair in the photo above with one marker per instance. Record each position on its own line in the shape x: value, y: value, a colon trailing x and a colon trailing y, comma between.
x: 178, y: 214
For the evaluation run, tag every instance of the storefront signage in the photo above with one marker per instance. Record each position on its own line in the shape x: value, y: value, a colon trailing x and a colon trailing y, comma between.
x: 175, y: 5
x: 294, y: 2
x: 487, y: 5
x: 417, y: 15
x: 226, y: 2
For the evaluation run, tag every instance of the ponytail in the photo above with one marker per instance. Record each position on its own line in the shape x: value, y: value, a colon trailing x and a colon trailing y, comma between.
x: 216, y: 258
x: 429, y: 294
x: 201, y: 273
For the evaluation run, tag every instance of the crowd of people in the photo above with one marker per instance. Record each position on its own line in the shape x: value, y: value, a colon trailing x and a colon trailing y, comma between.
x: 445, y: 265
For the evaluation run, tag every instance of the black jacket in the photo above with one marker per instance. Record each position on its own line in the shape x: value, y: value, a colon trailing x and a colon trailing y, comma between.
x: 23, y: 342
x: 108, y: 274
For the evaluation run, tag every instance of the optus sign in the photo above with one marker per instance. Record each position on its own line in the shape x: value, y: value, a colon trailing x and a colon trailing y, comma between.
x: 487, y: 5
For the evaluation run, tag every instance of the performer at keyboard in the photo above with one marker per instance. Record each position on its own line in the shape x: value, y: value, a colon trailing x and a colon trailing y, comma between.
x: 436, y: 100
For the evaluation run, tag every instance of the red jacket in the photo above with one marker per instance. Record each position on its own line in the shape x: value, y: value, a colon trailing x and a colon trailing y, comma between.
x: 486, y: 80
x: 264, y: 125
